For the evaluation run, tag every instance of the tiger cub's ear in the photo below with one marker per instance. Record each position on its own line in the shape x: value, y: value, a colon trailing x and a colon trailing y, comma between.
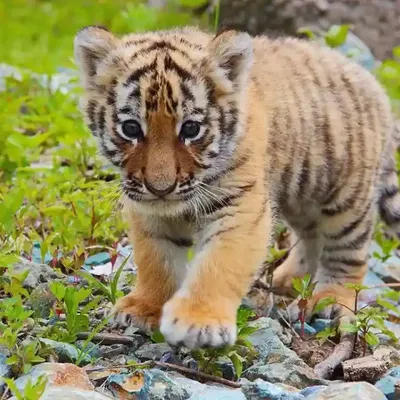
x: 92, y: 45
x: 230, y: 58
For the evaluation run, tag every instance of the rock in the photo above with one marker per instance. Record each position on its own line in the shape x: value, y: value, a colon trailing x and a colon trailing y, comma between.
x: 61, y: 379
x: 320, y: 324
x: 41, y: 301
x: 312, y: 390
x: 260, y: 389
x: 374, y: 21
x: 38, y: 273
x: 113, y: 350
x: 268, y: 327
x: 151, y: 384
x: 98, y: 259
x: 389, y: 270
x: 92, y: 350
x: 66, y: 352
x: 152, y: 351
x: 200, y: 391
x: 5, y: 371
x: 389, y: 384
x: 309, y: 330
x: 353, y: 391
x: 276, y: 363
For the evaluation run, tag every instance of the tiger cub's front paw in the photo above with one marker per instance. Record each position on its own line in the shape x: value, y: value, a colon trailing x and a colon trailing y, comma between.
x: 195, y: 325
x: 136, y: 311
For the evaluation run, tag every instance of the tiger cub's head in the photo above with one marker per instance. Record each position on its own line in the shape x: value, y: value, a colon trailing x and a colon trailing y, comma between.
x: 165, y: 107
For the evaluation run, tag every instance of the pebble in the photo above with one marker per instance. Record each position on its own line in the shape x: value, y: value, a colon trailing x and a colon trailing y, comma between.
x: 260, y: 389
x: 152, y: 351
x: 308, y: 330
x: 389, y: 384
x: 352, y: 390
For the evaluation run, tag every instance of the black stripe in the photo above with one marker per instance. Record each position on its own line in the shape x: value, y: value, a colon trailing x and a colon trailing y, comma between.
x: 180, y: 242
x: 352, y: 262
x: 102, y: 121
x: 304, y: 178
x: 125, y: 110
x: 237, y: 163
x: 136, y: 75
x: 91, y: 114
x: 201, y: 165
x: 390, y: 191
x: 216, y: 234
x: 160, y: 45
x: 348, y: 229
x: 171, y: 65
x: 356, y: 244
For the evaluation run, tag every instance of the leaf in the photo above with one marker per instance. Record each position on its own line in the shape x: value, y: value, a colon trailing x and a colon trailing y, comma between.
x: 352, y: 328
x: 336, y: 35
x: 396, y: 52
x: 237, y: 364
x: 13, y: 387
x: 307, y: 32
x: 58, y: 290
x: 114, y: 282
x: 12, y: 360
x: 246, y: 331
x: 95, y: 282
x: 157, y: 337
x: 371, y: 339
x: 297, y: 285
x: 387, y: 304
x: 323, y: 303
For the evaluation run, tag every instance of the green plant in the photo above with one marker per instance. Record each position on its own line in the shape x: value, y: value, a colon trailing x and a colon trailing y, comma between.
x: 69, y: 300
x: 32, y: 391
x: 304, y: 288
x: 240, y: 353
x: 111, y: 291
x: 366, y: 319
x: 387, y: 245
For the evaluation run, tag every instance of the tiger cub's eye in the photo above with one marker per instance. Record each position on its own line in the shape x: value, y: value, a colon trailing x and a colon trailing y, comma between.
x: 132, y: 129
x: 189, y: 130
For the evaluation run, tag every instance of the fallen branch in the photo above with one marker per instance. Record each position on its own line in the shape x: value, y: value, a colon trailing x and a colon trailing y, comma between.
x: 340, y: 353
x: 183, y: 370
x: 106, y: 338
x: 198, y: 374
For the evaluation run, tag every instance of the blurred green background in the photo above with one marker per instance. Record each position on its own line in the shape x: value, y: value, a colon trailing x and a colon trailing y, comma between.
x: 39, y: 34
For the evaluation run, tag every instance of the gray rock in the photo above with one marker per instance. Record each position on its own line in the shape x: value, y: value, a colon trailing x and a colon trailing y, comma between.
x: 154, y: 385
x: 61, y: 379
x: 389, y: 384
x: 353, y: 391
x: 200, y: 391
x: 152, y: 351
x: 58, y: 393
x: 260, y: 389
x: 38, y: 273
x: 113, y: 350
x: 41, y: 301
x: 5, y: 371
x: 276, y: 363
x: 308, y: 329
x: 66, y: 352
x: 374, y: 21
x: 268, y: 327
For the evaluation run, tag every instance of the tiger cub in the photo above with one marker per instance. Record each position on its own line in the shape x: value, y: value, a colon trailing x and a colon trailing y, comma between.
x: 216, y: 134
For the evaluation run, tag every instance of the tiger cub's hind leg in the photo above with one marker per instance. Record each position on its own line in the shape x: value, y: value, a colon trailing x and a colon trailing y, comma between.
x: 305, y: 246
x: 343, y: 259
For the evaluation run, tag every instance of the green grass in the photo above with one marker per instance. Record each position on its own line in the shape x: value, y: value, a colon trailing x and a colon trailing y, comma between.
x: 54, y: 189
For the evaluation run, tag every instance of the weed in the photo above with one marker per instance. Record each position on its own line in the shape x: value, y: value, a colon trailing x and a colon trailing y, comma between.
x: 32, y: 391
x: 304, y: 288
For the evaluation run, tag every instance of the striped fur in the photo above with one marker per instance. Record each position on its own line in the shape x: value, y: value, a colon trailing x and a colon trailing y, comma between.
x: 286, y: 126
